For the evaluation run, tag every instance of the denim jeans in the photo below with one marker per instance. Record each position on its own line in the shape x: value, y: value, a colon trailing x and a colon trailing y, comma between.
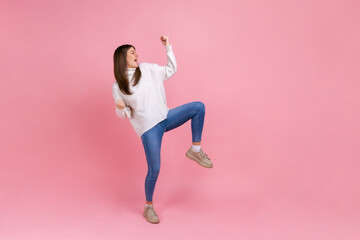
x: 152, y: 138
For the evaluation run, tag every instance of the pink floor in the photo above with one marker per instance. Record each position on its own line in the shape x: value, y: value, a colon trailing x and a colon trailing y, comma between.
x: 192, y: 202
x: 247, y: 217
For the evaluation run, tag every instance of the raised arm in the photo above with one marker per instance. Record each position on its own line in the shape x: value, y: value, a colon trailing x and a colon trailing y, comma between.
x: 126, y: 111
x: 171, y: 67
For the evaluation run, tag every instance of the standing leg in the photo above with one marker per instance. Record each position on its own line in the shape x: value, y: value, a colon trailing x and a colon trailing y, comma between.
x: 151, y: 140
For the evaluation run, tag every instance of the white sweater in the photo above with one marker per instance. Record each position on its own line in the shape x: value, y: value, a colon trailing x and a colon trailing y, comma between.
x: 147, y: 106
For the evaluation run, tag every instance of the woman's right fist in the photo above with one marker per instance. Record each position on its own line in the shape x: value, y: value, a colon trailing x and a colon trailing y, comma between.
x: 120, y: 104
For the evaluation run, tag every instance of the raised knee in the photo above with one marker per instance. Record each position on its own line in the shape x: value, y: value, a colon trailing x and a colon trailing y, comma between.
x: 200, y: 105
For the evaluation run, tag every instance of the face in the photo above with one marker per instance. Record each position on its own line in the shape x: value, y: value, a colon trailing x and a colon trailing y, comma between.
x: 131, y: 58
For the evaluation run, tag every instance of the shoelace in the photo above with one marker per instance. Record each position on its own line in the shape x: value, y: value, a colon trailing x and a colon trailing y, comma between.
x: 151, y: 210
x: 202, y: 154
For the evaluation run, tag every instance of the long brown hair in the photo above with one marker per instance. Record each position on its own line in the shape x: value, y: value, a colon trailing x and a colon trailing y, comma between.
x: 120, y: 69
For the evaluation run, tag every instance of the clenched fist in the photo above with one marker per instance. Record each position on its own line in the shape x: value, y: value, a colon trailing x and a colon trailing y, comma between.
x: 120, y: 104
x: 165, y: 40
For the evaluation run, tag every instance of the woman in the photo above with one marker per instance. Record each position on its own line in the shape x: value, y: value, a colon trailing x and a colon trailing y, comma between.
x: 139, y: 96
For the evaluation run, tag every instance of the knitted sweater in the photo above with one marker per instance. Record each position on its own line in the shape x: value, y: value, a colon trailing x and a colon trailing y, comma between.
x: 147, y: 106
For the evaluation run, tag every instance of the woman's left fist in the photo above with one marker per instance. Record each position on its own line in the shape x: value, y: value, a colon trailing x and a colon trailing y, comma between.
x: 165, y: 40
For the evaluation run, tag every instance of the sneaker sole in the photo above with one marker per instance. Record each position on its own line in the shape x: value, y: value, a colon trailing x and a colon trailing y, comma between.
x: 196, y: 160
x: 149, y: 219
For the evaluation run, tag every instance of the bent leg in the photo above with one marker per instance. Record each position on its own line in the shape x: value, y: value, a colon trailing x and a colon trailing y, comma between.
x: 181, y: 114
x: 151, y: 140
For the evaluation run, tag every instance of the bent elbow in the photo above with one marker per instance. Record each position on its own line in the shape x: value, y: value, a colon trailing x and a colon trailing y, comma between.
x: 122, y: 113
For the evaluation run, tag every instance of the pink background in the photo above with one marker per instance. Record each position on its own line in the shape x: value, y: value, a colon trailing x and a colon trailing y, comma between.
x: 280, y: 81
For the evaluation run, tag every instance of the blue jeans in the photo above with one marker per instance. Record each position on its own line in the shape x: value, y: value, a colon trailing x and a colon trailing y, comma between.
x: 152, y: 138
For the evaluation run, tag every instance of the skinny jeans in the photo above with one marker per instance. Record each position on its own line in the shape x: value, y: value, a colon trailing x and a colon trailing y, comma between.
x: 152, y: 138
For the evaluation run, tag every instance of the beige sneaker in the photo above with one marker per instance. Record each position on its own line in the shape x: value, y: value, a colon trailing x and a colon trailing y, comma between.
x: 199, y: 157
x: 150, y: 214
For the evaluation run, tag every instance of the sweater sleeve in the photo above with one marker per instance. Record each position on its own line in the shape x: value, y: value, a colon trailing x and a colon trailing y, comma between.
x: 121, y: 113
x: 171, y: 67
